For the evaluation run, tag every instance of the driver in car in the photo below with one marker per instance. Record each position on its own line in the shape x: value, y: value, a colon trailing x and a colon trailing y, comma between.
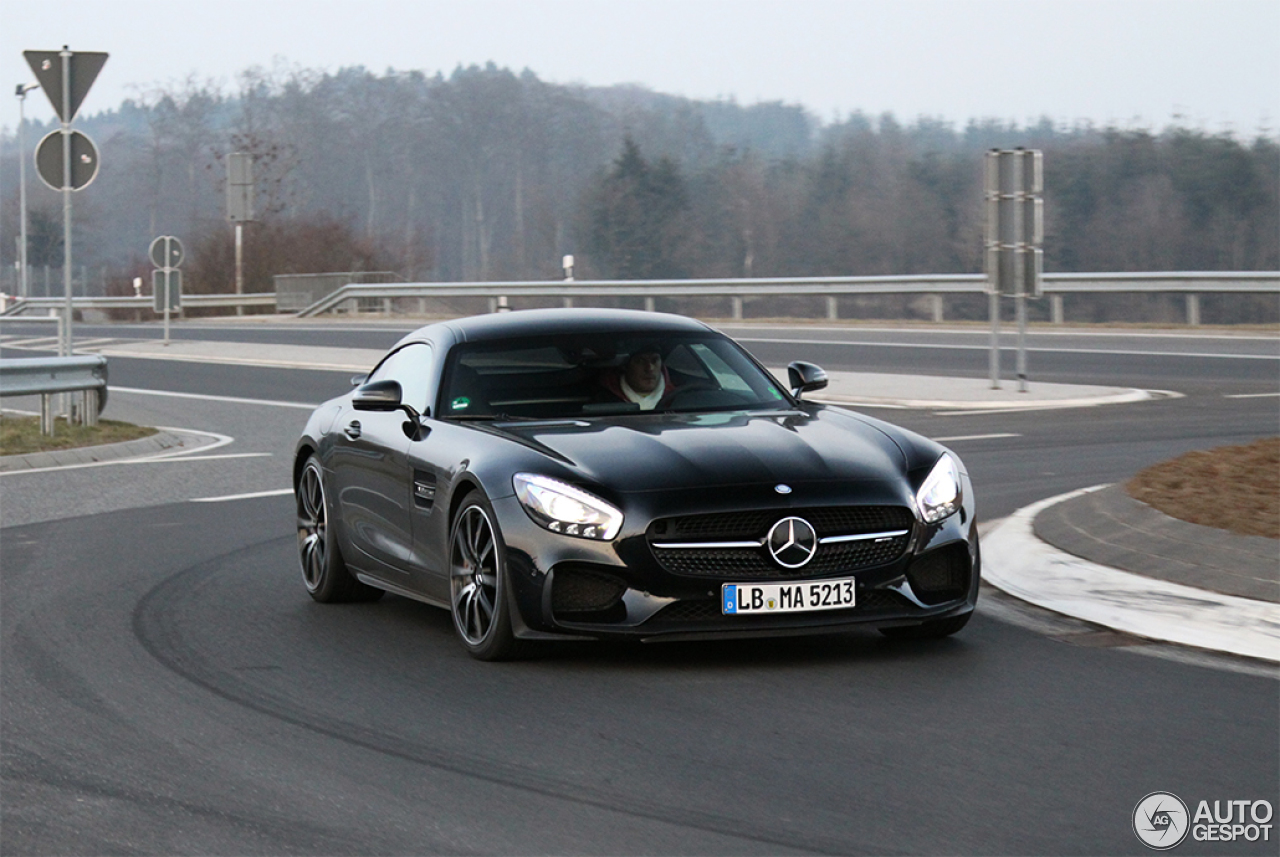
x: 642, y: 379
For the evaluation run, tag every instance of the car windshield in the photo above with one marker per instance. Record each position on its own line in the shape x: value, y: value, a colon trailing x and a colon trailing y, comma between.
x: 600, y: 374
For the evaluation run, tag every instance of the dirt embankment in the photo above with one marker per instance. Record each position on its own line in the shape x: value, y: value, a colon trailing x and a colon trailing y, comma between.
x: 1234, y: 488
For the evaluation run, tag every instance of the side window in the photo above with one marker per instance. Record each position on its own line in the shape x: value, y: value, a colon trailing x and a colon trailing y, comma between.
x: 411, y: 366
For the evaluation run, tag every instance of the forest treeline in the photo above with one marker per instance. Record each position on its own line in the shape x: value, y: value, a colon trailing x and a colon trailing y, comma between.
x: 488, y: 175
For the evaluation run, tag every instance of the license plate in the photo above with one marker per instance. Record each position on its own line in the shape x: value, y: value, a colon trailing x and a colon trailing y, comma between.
x: 761, y: 598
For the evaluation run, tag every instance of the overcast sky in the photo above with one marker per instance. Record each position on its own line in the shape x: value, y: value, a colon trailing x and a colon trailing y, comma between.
x: 1211, y: 64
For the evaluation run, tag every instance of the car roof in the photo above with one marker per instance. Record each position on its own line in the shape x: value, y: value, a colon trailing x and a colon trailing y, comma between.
x: 543, y: 322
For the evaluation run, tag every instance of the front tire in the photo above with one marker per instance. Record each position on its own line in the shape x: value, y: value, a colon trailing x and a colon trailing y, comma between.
x: 478, y: 582
x: 323, y: 570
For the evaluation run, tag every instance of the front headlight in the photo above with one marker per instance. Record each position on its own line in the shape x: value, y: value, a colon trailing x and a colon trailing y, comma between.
x: 564, y: 509
x: 939, y: 494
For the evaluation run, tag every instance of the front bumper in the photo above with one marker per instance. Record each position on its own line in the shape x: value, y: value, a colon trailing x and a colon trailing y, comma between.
x: 577, y: 588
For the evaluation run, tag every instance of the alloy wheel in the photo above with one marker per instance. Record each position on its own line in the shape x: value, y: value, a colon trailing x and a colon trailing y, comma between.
x: 474, y: 575
x: 312, y: 524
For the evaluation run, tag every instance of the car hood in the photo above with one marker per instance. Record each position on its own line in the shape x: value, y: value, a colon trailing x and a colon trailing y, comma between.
x: 665, y: 452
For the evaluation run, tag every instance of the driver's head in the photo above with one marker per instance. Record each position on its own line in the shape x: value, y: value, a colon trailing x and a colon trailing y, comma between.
x: 644, y: 369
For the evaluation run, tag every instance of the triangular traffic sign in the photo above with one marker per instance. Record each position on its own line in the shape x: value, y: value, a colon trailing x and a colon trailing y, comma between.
x: 47, y: 66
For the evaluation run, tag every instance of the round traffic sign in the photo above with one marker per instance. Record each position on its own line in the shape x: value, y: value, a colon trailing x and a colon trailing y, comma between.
x: 84, y: 160
x: 166, y: 252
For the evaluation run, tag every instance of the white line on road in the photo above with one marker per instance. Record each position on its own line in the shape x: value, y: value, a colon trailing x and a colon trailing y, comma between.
x: 1100, y: 351
x: 275, y: 493
x: 208, y: 398
x: 976, y: 437
x: 159, y: 459
x: 1249, y: 395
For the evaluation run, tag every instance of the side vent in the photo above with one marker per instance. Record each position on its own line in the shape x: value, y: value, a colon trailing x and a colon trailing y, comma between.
x: 424, y: 489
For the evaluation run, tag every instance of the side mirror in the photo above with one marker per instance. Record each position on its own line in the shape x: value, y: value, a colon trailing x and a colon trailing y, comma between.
x: 377, y: 396
x: 805, y: 377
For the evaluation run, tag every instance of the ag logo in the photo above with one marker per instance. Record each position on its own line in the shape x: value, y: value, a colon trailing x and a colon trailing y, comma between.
x: 1160, y: 820
x: 792, y: 542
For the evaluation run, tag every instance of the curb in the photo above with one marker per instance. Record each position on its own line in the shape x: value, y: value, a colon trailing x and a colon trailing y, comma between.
x: 162, y: 441
x: 1016, y: 561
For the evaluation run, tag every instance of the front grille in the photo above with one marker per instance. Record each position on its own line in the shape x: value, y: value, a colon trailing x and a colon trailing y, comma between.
x: 752, y: 563
x: 707, y: 610
x: 738, y: 526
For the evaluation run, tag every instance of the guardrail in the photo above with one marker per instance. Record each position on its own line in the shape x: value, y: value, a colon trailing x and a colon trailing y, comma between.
x: 1191, y: 284
x: 48, y: 376
x: 1055, y: 287
x: 21, y: 307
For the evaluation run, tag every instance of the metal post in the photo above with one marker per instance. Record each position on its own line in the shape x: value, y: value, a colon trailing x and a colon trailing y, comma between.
x: 167, y: 304
x: 1055, y: 307
x: 24, y: 287
x: 239, y: 265
x: 46, y: 414
x: 936, y: 300
x: 1020, y: 268
x: 1193, y: 310
x: 649, y: 304
x: 1022, y: 343
x: 737, y: 307
x: 833, y: 309
x: 993, y: 311
x: 66, y: 348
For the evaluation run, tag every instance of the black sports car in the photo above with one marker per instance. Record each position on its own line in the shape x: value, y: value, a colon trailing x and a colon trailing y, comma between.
x: 571, y: 474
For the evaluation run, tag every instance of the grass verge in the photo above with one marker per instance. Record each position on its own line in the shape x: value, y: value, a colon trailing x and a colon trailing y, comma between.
x: 21, y: 435
x: 1234, y: 488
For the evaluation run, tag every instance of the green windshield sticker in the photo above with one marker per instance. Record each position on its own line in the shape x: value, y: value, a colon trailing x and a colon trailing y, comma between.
x: 460, y: 404
x: 775, y: 394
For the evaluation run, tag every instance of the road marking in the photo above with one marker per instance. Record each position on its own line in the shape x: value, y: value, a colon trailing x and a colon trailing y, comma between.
x: 976, y: 437
x: 1248, y: 395
x: 208, y: 398
x: 159, y: 459
x: 275, y: 493
x: 1098, y: 351
x: 170, y: 459
x: 952, y: 331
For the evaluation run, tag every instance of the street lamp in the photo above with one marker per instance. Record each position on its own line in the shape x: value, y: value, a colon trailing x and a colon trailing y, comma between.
x: 21, y: 92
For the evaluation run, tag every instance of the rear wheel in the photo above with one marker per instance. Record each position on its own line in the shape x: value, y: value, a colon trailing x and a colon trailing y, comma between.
x: 478, y: 582
x: 928, y: 630
x: 323, y: 571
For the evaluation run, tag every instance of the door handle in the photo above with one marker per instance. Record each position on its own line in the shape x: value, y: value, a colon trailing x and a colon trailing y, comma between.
x: 352, y: 430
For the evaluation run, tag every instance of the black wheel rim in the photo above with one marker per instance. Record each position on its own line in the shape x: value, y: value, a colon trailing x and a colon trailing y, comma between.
x: 474, y: 574
x: 312, y: 522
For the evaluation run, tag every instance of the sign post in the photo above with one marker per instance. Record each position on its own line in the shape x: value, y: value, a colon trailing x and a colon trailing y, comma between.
x: 1013, y: 183
x: 166, y: 280
x: 239, y: 208
x: 66, y: 78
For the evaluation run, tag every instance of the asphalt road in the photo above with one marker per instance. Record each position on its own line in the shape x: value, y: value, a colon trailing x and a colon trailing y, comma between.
x: 169, y: 688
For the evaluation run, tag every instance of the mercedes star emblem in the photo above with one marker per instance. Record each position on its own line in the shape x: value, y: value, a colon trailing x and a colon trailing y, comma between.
x: 792, y: 542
